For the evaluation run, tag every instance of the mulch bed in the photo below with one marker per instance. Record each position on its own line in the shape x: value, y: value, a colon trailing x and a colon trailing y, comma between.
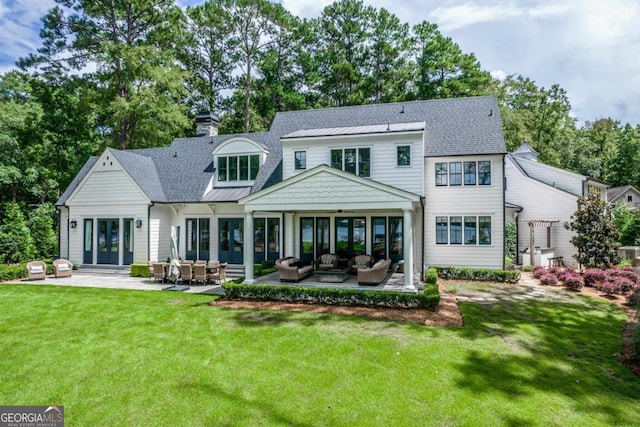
x: 447, y: 314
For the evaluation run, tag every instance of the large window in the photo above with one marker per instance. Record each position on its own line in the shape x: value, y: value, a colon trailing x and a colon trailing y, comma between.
x: 467, y: 230
x: 403, y: 155
x: 354, y: 160
x: 473, y: 173
x: 238, y: 168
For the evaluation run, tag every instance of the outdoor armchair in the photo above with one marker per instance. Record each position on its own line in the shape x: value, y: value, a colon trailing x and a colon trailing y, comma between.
x: 62, y: 268
x: 327, y: 261
x: 36, y: 270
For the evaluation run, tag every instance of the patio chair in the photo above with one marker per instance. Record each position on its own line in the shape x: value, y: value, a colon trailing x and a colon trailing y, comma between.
x: 200, y: 273
x: 327, y: 261
x: 220, y: 275
x: 62, y: 268
x: 159, y: 272
x: 360, y: 261
x: 36, y: 270
x: 186, y: 274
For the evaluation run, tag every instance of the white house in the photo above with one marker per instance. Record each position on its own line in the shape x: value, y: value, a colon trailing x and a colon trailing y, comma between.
x: 626, y: 194
x: 541, y: 200
x: 420, y: 182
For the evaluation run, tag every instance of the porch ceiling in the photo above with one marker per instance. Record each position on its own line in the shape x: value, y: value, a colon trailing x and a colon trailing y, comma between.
x: 326, y: 188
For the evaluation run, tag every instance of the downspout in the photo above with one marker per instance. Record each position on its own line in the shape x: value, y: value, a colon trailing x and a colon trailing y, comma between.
x: 149, y: 231
x: 422, y: 199
x: 504, y: 213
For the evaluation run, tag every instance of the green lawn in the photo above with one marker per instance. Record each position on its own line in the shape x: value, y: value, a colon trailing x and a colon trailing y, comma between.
x: 114, y: 357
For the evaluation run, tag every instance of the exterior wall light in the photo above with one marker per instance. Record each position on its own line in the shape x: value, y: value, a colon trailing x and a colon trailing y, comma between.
x: 138, y: 223
x: 73, y: 223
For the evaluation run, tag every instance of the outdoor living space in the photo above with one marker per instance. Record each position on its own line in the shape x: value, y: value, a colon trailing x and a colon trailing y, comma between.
x: 394, y: 282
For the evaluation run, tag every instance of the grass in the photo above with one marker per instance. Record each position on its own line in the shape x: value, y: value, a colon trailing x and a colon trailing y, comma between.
x: 115, y: 357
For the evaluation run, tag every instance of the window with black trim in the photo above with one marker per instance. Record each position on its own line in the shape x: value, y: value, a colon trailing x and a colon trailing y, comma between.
x: 403, y: 155
x: 467, y: 230
x: 353, y: 160
x: 238, y: 168
x: 441, y: 174
x: 455, y: 173
x: 469, y: 173
x: 300, y: 160
x: 484, y: 173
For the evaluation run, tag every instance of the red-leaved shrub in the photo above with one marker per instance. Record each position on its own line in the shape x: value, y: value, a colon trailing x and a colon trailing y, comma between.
x: 573, y: 282
x: 634, y: 296
x: 538, y: 271
x: 622, y: 283
x: 594, y: 277
x: 549, y: 279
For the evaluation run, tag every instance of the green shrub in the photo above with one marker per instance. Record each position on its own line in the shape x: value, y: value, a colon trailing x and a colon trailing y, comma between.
x: 140, y: 270
x: 257, y: 270
x: 479, y: 274
x: 268, y: 264
x: 348, y: 297
x: 431, y: 277
x: 527, y: 268
x: 19, y: 271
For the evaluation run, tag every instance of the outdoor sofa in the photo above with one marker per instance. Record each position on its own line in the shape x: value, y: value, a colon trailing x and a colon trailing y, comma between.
x: 292, y: 270
x: 375, y: 274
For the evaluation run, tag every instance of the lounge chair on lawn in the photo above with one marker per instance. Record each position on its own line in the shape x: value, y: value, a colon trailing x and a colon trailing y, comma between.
x: 36, y: 270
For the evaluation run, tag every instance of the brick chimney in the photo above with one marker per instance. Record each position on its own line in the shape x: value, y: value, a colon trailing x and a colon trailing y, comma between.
x: 207, y: 124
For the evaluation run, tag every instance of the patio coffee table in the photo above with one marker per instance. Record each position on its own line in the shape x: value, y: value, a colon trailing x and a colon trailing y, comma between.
x: 332, y: 275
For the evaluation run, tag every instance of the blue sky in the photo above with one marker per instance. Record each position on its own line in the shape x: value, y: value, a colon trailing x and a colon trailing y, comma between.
x: 591, y: 48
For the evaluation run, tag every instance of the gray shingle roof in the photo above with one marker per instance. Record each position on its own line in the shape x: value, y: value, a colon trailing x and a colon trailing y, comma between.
x: 356, y: 130
x: 452, y: 126
x: 182, y: 172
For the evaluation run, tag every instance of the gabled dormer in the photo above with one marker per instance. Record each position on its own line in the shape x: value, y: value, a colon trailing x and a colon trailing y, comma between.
x: 526, y: 151
x: 237, y: 162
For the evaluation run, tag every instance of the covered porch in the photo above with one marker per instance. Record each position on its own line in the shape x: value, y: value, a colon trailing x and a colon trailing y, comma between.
x: 327, y: 210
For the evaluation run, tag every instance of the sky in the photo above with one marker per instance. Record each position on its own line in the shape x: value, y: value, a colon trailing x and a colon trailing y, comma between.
x: 591, y: 48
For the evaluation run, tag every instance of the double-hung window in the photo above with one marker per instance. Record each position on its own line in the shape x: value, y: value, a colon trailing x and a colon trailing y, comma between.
x: 441, y: 174
x: 455, y: 173
x: 467, y: 230
x: 484, y: 173
x: 403, y: 155
x: 354, y: 160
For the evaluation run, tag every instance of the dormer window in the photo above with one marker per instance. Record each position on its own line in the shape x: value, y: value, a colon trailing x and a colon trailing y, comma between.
x: 238, y: 168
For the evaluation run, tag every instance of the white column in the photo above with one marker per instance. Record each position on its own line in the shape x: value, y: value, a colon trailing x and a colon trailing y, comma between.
x: 249, y: 247
x: 289, y: 235
x: 407, y: 228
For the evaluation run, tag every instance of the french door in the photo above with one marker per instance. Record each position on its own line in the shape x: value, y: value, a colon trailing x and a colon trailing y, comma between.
x: 314, y: 238
x: 266, y: 232
x: 108, y: 240
x: 231, y: 240
x: 350, y: 237
x: 198, y: 239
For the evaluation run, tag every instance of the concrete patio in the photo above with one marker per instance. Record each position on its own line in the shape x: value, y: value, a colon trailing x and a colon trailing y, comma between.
x: 120, y: 279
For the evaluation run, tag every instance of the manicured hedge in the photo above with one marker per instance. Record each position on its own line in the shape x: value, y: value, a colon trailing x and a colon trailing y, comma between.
x: 348, y: 297
x: 19, y: 271
x: 431, y: 277
x: 140, y: 270
x: 480, y: 274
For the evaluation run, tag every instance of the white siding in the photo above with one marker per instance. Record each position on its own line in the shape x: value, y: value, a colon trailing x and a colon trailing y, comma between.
x: 383, y: 157
x: 107, y: 187
x: 478, y: 200
x: 554, y: 177
x: 542, y: 202
x: 64, y: 232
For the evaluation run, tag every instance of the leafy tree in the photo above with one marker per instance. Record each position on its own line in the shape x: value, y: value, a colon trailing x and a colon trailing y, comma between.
x: 208, y: 54
x: 630, y: 231
x: 340, y: 53
x: 389, y: 71
x: 624, y: 168
x: 596, y: 235
x: 22, y: 142
x: 510, y: 240
x: 538, y: 115
x: 132, y: 45
x: 252, y: 22
x: 42, y: 231
x: 443, y: 70
x: 16, y: 244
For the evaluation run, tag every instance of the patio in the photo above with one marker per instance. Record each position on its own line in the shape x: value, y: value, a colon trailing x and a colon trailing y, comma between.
x: 394, y: 282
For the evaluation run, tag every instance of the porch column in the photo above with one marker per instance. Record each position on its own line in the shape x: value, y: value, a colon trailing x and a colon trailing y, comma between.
x: 289, y: 235
x: 407, y: 228
x: 248, y: 249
